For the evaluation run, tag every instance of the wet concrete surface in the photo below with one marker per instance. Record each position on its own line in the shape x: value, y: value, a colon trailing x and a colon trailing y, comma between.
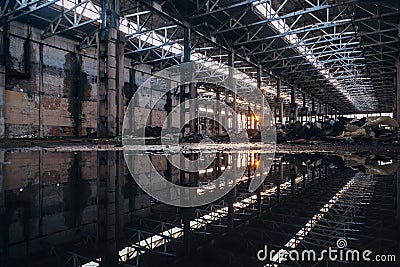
x: 370, y: 147
x: 76, y: 204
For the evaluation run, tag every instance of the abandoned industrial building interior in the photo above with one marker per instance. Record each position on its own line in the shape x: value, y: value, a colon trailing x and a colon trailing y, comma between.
x: 199, y: 133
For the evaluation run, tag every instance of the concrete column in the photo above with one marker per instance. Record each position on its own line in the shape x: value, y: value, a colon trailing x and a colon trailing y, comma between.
x: 110, y: 49
x: 262, y: 100
x: 313, y: 112
x: 232, y: 87
x: 278, y: 102
x: 397, y: 109
x: 293, y: 105
x: 40, y: 89
x: 326, y: 110
x: 319, y: 112
x: 2, y: 84
x: 303, y: 110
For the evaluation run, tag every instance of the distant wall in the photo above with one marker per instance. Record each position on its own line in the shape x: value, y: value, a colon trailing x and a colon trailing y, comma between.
x: 58, y: 97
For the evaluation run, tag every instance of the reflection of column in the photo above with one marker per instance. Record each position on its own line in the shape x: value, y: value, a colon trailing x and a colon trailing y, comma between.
x: 110, y: 205
x: 279, y: 181
x: 2, y: 182
x: 231, y: 198
x: 398, y: 195
x: 76, y: 193
x: 132, y: 189
x: 312, y: 174
x: 3, y: 227
x: 186, y: 215
x: 292, y: 177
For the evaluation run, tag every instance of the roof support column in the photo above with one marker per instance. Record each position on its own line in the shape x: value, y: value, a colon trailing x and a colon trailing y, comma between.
x: 278, y: 102
x: 313, y: 112
x: 110, y: 47
x: 262, y: 100
x: 188, y: 91
x: 293, y: 105
x: 232, y: 87
x: 304, y: 110
x: 2, y: 82
x: 397, y: 104
x: 320, y: 115
x: 326, y: 111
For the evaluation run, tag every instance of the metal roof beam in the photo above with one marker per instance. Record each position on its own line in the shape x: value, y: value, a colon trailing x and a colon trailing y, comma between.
x: 314, y: 27
x: 289, y: 15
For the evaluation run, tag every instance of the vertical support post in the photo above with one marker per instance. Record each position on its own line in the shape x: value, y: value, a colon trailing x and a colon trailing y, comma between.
x: 313, y: 112
x: 262, y: 101
x: 120, y: 81
x: 188, y: 90
x: 293, y: 105
x: 110, y: 70
x: 304, y: 109
x: 320, y: 111
x: 41, y: 133
x: 2, y: 82
x: 232, y: 87
x: 397, y: 104
x: 326, y: 110
x: 279, y: 101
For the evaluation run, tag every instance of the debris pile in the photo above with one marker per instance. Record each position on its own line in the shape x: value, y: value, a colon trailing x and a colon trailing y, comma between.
x: 348, y: 130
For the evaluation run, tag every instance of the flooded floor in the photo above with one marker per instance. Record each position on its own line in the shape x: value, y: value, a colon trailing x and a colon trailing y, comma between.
x: 83, y: 208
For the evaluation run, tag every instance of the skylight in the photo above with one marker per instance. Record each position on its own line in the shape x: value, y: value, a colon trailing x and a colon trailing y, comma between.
x: 363, y: 101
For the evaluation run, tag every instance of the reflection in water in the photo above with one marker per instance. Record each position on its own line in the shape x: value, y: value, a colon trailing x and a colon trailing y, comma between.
x: 75, y: 193
x: 83, y: 208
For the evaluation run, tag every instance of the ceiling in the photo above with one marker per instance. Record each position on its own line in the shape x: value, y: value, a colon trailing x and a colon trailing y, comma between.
x: 341, y: 52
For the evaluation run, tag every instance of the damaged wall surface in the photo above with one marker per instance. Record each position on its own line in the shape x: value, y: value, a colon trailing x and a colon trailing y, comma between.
x: 49, y: 86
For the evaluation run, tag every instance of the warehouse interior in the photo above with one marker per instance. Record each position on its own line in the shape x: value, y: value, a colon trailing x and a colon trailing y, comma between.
x: 312, y: 85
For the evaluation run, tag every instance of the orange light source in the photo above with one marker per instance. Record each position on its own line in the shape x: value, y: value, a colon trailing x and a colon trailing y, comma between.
x: 256, y: 163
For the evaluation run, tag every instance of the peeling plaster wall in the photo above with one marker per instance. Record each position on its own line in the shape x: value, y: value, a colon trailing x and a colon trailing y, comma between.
x: 58, y: 106
x: 59, y: 96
